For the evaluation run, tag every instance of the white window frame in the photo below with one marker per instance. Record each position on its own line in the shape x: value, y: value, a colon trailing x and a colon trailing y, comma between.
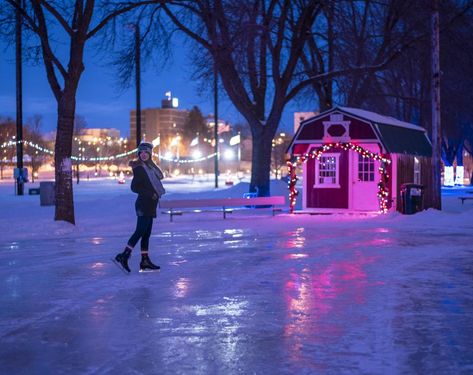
x: 366, y: 162
x: 335, y: 185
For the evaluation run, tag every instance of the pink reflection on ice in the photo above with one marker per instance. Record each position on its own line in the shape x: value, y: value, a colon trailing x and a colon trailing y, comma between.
x: 315, y: 296
x: 379, y: 237
x: 100, y: 309
x: 296, y: 256
x: 98, y: 268
x: 97, y: 265
x: 381, y: 230
x: 295, y: 239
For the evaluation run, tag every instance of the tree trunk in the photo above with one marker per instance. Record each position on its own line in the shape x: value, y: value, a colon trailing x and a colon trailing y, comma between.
x: 62, y: 159
x: 436, y: 126
x: 261, y: 160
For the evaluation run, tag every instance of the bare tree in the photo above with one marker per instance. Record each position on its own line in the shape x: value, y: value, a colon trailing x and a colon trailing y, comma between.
x: 7, y: 132
x: 256, y: 46
x: 34, y: 135
x: 456, y: 55
x: 53, y: 23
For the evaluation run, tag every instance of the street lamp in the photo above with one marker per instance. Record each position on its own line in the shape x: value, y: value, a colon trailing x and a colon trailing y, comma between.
x: 19, y: 104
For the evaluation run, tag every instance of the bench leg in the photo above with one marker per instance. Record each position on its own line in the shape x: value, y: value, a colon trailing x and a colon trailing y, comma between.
x: 224, y: 213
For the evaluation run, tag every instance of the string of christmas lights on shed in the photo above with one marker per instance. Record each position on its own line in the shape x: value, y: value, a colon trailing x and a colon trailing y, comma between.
x: 383, y: 191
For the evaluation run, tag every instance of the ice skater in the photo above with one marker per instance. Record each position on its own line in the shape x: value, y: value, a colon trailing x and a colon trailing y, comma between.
x: 147, y: 184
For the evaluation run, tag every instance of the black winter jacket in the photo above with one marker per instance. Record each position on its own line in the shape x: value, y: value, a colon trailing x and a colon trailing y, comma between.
x: 147, y: 200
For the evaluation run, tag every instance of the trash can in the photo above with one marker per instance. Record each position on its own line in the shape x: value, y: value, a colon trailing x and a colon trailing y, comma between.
x: 47, y: 193
x: 412, y: 198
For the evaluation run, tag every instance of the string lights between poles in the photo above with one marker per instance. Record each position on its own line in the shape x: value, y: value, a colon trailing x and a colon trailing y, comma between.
x: 105, y: 158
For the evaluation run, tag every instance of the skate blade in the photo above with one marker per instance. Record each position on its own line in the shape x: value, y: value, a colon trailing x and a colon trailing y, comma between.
x: 148, y: 271
x: 120, y: 266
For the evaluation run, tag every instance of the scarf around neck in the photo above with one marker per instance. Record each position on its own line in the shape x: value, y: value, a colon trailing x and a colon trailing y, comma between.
x: 155, y: 175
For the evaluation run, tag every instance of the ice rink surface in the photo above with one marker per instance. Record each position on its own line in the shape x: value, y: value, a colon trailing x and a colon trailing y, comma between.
x: 253, y: 294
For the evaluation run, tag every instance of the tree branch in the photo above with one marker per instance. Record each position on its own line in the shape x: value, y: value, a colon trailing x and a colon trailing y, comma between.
x: 48, y: 56
x: 58, y: 16
x: 184, y: 28
x: 119, y: 12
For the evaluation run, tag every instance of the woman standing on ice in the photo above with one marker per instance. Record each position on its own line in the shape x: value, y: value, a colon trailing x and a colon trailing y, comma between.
x: 147, y: 184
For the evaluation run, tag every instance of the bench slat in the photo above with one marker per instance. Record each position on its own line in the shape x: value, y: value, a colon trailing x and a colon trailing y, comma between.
x: 223, y: 202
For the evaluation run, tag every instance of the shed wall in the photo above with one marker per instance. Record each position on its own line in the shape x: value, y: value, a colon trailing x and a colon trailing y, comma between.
x: 405, y: 174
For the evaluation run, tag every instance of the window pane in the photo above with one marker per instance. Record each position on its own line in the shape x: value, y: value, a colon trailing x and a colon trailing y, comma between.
x: 365, y: 168
x: 327, y: 170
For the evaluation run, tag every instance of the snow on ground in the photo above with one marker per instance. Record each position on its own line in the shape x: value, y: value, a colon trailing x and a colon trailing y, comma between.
x: 290, y: 294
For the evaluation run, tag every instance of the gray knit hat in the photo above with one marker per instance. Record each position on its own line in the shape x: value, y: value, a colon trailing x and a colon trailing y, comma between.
x: 145, y: 146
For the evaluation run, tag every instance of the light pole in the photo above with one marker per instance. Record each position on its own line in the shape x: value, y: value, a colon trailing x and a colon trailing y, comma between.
x: 138, y: 83
x: 19, y: 105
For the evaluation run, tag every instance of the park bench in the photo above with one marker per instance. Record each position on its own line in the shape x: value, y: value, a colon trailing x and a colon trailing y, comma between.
x: 463, y: 199
x: 225, y: 205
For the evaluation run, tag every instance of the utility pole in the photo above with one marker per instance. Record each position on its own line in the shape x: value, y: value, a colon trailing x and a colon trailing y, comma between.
x: 138, y: 83
x: 216, y: 122
x: 436, y: 125
x: 19, y: 105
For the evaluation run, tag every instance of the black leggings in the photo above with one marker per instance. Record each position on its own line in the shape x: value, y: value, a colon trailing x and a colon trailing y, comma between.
x: 144, y: 224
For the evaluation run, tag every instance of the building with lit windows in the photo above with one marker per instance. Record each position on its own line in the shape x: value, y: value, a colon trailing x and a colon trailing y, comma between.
x: 163, y: 123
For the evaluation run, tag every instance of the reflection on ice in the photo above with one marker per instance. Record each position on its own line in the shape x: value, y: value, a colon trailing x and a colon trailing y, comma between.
x: 232, y: 307
x: 98, y: 268
x: 296, y: 239
x: 182, y: 287
x: 11, y: 246
x: 233, y: 232
x: 12, y: 285
x: 312, y: 293
x: 295, y: 256
x: 97, y: 240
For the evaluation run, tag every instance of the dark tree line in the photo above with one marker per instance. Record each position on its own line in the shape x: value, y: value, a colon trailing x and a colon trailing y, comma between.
x: 32, y: 132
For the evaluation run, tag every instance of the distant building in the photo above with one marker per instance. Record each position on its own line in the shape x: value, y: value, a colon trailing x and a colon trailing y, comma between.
x: 166, y: 122
x: 301, y: 116
x: 223, y: 126
x: 94, y: 134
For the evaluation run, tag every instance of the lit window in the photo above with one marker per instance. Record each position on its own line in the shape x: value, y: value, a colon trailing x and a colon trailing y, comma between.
x: 417, y: 169
x: 326, y: 171
x: 365, y: 169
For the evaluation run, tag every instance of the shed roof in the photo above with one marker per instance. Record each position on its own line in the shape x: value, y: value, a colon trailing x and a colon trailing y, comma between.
x: 379, y: 119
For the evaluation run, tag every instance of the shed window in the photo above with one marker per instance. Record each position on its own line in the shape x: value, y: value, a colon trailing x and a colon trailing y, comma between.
x: 365, y: 168
x: 327, y: 171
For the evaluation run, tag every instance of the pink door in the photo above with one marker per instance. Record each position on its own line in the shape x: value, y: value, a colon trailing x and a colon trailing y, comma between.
x: 364, y: 181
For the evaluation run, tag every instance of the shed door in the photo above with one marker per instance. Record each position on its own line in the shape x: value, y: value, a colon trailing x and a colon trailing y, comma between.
x: 364, y: 181
x: 327, y: 181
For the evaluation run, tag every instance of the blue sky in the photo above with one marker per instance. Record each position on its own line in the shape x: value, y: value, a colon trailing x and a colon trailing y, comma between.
x: 100, y: 101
